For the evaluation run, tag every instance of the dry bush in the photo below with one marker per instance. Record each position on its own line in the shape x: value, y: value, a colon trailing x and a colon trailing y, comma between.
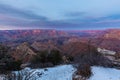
x: 46, y: 59
x: 84, y: 70
x: 7, y: 62
x: 93, y: 58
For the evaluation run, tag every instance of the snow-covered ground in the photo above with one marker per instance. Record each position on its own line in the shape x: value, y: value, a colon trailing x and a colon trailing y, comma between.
x: 63, y: 72
x: 105, y: 51
x: 100, y: 73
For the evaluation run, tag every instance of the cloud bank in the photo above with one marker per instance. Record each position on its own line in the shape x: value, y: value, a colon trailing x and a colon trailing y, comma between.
x: 12, y: 17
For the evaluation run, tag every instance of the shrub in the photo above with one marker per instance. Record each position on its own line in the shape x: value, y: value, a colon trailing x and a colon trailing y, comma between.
x: 7, y: 62
x: 40, y: 57
x: 55, y: 57
x: 93, y: 58
x: 3, y: 51
x: 46, y: 57
x: 70, y: 58
x: 117, y: 55
x: 84, y: 70
x: 14, y: 65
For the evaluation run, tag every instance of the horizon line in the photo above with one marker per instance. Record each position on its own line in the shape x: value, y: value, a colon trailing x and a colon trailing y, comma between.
x: 59, y: 29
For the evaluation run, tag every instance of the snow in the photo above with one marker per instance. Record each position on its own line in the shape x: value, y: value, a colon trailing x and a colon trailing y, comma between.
x: 104, y: 51
x: 63, y: 72
x: 2, y: 77
x: 100, y: 73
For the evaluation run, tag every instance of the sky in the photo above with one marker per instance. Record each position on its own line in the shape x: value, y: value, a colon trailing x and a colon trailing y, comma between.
x: 59, y: 14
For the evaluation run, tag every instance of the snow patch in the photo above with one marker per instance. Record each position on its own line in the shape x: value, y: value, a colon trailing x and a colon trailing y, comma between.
x: 104, y: 51
x: 100, y: 73
x: 63, y: 72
